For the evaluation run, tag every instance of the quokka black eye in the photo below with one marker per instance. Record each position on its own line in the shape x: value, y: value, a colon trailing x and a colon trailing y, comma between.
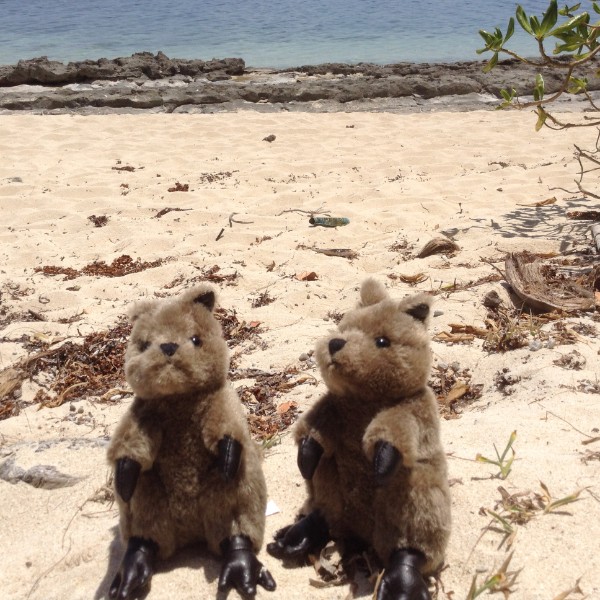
x: 382, y: 342
x: 142, y: 346
x: 196, y: 341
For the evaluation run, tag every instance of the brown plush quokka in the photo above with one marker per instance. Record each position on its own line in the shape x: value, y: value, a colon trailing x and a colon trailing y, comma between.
x: 370, y: 448
x: 186, y: 469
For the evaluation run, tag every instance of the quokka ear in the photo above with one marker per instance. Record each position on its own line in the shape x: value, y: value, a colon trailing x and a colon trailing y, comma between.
x: 372, y: 292
x: 419, y: 312
x: 142, y: 307
x: 207, y: 299
x: 418, y: 307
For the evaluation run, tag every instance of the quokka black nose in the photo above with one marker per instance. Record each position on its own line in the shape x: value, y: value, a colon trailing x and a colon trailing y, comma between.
x: 335, y: 345
x: 169, y: 349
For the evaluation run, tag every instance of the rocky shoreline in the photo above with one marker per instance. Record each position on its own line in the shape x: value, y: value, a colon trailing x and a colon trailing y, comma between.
x: 157, y: 83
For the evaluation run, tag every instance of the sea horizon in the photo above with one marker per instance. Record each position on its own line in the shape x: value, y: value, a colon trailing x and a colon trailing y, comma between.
x: 279, y: 34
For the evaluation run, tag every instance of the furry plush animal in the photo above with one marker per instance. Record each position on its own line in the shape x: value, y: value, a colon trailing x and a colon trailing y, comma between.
x: 370, y: 448
x: 186, y: 469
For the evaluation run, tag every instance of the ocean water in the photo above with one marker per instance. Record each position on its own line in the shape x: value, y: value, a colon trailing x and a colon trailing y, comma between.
x: 265, y: 33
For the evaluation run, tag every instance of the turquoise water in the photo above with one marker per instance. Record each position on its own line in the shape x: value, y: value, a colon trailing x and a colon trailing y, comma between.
x: 274, y: 33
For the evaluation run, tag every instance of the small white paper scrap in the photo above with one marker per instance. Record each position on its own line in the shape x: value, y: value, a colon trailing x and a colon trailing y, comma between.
x: 272, y: 508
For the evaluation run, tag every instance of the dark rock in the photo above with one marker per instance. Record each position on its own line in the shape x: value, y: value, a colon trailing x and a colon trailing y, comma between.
x: 145, y: 81
x: 140, y: 65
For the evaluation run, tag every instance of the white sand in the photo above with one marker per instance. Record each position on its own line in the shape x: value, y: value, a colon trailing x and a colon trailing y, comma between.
x: 397, y: 178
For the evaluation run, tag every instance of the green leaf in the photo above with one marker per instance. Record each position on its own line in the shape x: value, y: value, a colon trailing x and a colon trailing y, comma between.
x: 576, y: 85
x: 596, y: 7
x: 491, y: 63
x: 570, y: 24
x: 568, y: 10
x: 535, y: 26
x: 542, y: 116
x: 522, y: 19
x: 538, y: 91
x: 510, y: 30
x: 550, y: 18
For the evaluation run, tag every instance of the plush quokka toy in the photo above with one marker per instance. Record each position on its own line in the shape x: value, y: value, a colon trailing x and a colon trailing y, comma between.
x: 370, y: 449
x: 186, y: 469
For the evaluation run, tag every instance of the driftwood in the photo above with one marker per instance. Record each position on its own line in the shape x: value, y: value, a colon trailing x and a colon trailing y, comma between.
x: 539, y: 289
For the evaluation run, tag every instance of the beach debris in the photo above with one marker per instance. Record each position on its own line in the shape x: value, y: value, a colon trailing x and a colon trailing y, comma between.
x: 542, y: 288
x: 403, y: 247
x: 265, y: 418
x: 272, y: 508
x: 306, y: 276
x: 586, y: 215
x: 492, y: 300
x: 270, y: 138
x: 232, y: 220
x: 98, y: 221
x: 214, y: 275
x: 546, y: 202
x: 121, y: 266
x: 505, y: 381
x: 328, y: 221
x: 179, y: 187
x: 329, y: 567
x: 168, y: 209
x: 340, y: 252
x: 262, y: 299
x: 572, y: 360
x: 596, y: 236
x: 39, y: 476
x: 460, y: 332
x: 334, y: 315
x: 453, y: 389
x: 439, y: 245
x: 216, y: 177
x: 576, y: 589
x: 409, y: 279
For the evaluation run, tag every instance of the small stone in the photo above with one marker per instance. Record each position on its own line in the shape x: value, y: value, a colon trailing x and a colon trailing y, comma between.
x: 455, y: 366
x: 303, y: 357
x: 80, y: 410
x: 438, y: 313
x: 442, y: 366
x: 72, y: 408
x: 492, y: 299
x: 535, y: 345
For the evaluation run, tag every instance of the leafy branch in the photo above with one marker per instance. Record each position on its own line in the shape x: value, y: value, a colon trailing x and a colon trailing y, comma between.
x: 576, y: 39
x: 577, y: 43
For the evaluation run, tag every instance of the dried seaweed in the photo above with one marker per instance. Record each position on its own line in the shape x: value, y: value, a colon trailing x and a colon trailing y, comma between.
x: 92, y: 368
x: 454, y: 390
x: 216, y: 177
x: 180, y: 187
x: 262, y: 299
x: 121, y: 266
x: 234, y: 330
x: 98, y: 221
x: 214, y: 275
x: 125, y: 168
x: 265, y: 418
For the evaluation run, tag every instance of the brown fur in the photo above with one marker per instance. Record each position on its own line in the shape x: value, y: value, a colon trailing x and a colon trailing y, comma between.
x: 380, y: 394
x: 183, y: 406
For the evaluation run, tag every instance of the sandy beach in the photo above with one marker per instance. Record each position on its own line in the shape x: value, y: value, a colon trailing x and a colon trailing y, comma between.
x: 227, y: 198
